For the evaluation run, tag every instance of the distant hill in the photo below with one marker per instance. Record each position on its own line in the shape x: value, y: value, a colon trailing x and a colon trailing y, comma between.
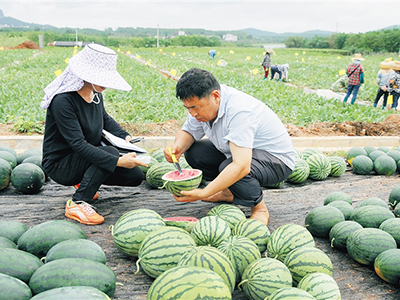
x: 12, y: 22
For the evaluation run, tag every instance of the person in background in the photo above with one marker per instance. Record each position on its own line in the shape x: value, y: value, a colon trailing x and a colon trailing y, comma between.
x: 247, y: 146
x: 355, y: 73
x: 394, y: 84
x: 212, y: 53
x: 282, y: 70
x: 267, y: 62
x: 383, y: 77
x: 340, y: 85
x: 75, y: 118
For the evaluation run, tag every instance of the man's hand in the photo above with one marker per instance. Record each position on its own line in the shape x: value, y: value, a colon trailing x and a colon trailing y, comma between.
x: 129, y: 161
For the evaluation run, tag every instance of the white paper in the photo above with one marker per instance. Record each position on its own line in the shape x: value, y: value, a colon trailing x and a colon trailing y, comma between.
x: 121, y: 143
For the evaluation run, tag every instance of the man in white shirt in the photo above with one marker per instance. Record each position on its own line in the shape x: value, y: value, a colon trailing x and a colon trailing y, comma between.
x: 247, y: 146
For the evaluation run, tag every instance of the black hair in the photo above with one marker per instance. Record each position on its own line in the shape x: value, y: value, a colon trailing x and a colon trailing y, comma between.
x: 196, y: 83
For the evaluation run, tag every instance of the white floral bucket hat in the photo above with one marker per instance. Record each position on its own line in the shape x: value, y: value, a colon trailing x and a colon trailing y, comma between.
x: 94, y: 64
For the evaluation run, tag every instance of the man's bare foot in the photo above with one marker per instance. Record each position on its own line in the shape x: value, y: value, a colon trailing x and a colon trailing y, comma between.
x: 222, y: 196
x: 260, y: 212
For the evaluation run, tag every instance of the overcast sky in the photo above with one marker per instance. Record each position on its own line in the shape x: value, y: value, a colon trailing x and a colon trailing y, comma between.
x: 282, y: 16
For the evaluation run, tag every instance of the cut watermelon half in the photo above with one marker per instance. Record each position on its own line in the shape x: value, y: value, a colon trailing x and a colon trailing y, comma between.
x: 185, y: 223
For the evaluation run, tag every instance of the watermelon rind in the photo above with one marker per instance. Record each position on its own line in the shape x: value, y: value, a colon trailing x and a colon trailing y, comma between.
x: 229, y: 213
x: 340, y: 232
x: 371, y: 216
x: 386, y: 266
x: 365, y: 244
x: 210, y: 258
x: 320, y: 220
x: 14, y: 289
x: 320, y: 166
x: 186, y: 223
x: 392, y: 226
x: 176, y: 186
x: 344, y: 207
x: 305, y: 260
x: 263, y: 277
x: 321, y: 286
x: 210, y: 231
x: 290, y: 293
x: 254, y: 230
x: 300, y: 172
x: 72, y: 293
x: 189, y: 283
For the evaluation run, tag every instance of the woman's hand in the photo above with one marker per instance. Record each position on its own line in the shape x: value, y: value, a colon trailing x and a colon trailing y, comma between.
x: 129, y: 161
x: 191, y: 196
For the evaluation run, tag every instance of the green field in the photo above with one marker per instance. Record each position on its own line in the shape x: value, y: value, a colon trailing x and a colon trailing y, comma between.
x: 24, y: 74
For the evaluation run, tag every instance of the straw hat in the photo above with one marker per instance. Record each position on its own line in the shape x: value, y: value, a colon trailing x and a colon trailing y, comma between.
x: 395, y: 65
x: 385, y: 64
x: 98, y: 65
x: 357, y: 56
x: 269, y: 50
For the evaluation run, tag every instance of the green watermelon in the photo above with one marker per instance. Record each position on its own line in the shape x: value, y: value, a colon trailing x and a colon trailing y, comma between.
x: 396, y: 211
x: 344, y: 207
x: 305, y: 260
x: 369, y: 149
x: 254, y: 230
x: 12, y: 230
x: 297, y: 153
x: 375, y: 154
x: 263, y: 277
x: 321, y: 286
x: 13, y: 289
x: 241, y: 251
x: 210, y: 258
x: 162, y: 248
x: 210, y: 231
x: 387, y: 266
x: 394, y: 154
x: 73, y: 272
x: 340, y: 232
x: 9, y: 157
x: 320, y: 220
x: 5, y: 173
x: 320, y: 166
x: 371, y: 216
x: 27, y: 178
x: 8, y: 149
x: 132, y: 227
x: 373, y: 201
x: 310, y: 151
x: 29, y: 152
x: 156, y: 172
x: 394, y: 197
x: 384, y: 149
x: 365, y: 244
x: 186, y: 223
x: 290, y: 293
x: 72, y: 293
x: 392, y: 226
x: 189, y: 283
x: 385, y: 165
x: 337, y: 196
x: 229, y: 213
x: 300, y: 172
x: 176, y: 182
x: 159, y: 155
x: 286, y: 238
x: 338, y: 166
x: 362, y: 165
x: 354, y: 152
x: 7, y: 243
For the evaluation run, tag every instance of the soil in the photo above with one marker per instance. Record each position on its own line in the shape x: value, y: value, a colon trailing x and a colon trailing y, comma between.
x: 287, y: 204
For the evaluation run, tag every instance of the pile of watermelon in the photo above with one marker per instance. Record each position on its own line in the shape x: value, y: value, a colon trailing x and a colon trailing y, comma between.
x: 370, y: 233
x: 51, y: 259
x: 212, y: 256
x: 370, y: 160
x: 24, y: 171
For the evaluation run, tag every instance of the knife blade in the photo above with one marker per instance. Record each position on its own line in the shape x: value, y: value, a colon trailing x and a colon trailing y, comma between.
x: 176, y: 163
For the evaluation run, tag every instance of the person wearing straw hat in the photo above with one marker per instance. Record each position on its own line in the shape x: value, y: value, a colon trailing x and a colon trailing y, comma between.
x: 394, y: 84
x: 383, y: 77
x: 75, y: 118
x: 355, y: 72
x: 267, y: 62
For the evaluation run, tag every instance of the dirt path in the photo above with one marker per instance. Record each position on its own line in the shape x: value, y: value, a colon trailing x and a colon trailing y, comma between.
x: 289, y: 204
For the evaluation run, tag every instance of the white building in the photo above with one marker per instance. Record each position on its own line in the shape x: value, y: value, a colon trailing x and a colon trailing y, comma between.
x: 229, y: 37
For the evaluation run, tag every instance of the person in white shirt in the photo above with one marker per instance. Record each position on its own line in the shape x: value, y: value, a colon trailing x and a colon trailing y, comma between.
x: 246, y: 145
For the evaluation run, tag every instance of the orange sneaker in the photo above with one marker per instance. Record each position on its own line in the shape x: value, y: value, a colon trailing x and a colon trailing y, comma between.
x: 95, y: 197
x: 83, y: 213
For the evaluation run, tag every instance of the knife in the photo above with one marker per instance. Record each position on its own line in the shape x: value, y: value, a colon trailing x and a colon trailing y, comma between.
x: 178, y: 167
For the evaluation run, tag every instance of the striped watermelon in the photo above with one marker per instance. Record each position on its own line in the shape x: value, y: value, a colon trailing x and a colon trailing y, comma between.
x: 213, y: 259
x: 320, y: 220
x: 12, y: 229
x: 297, y: 153
x: 189, y: 283
x: 320, y: 166
x: 156, y: 172
x: 384, y: 149
x: 369, y: 149
x: 385, y: 165
x: 338, y: 166
x: 7, y: 243
x: 162, y: 249
x: 186, y: 223
x: 340, y: 232
x: 229, y: 213
x: 210, y: 231
x: 300, y: 172
x: 305, y: 260
x: 338, y: 196
x: 375, y: 154
x: 14, y: 289
x: 392, y: 226
x: 371, y: 216
x: 373, y: 201
x: 394, y: 154
x: 354, y: 152
x: 344, y: 207
x: 152, y: 162
x: 365, y: 244
x: 241, y: 251
x: 72, y: 293
x: 362, y: 165
x: 310, y: 151
x: 290, y: 293
x: 176, y: 182
x: 159, y: 155
x: 254, y: 230
x: 263, y: 277
x: 132, y: 227
x: 286, y: 238
x: 387, y: 266
x: 321, y: 286
x: 394, y: 197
